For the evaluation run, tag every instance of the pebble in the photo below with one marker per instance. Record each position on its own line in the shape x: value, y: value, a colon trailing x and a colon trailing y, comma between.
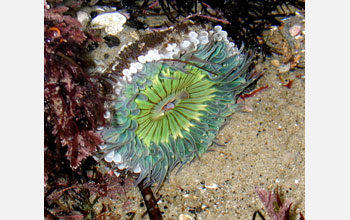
x: 295, y: 30
x: 111, y: 41
x: 279, y: 128
x: 112, y: 22
x: 284, y: 68
x: 185, y: 217
x: 275, y: 63
x: 83, y: 17
x: 212, y: 186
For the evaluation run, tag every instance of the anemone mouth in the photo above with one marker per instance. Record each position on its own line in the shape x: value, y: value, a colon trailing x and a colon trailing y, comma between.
x: 171, y: 103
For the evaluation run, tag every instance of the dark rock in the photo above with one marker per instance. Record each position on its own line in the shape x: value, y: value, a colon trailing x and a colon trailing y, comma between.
x: 111, y: 41
x: 136, y: 24
x: 93, y: 14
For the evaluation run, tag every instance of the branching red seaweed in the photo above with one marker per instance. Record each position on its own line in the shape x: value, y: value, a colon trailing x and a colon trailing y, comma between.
x: 74, y: 108
x: 271, y: 201
x: 73, y: 105
x: 274, y: 206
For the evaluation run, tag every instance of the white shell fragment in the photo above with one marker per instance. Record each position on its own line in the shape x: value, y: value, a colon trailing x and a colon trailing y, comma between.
x: 212, y: 186
x: 185, y: 217
x: 112, y: 22
x: 83, y: 17
x: 295, y: 30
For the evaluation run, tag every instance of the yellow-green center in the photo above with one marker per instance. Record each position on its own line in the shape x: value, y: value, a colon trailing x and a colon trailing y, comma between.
x: 174, y: 100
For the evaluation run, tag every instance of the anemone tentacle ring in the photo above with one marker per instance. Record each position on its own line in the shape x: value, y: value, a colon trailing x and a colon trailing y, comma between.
x: 172, y: 99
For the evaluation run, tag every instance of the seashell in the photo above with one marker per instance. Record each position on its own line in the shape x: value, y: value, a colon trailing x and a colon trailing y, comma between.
x: 111, y: 22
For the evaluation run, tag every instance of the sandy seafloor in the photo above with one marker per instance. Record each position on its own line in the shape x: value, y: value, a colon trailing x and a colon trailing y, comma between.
x: 263, y: 149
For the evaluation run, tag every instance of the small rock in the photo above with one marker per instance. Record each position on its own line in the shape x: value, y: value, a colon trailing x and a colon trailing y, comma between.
x: 111, y: 41
x: 279, y: 128
x: 111, y: 22
x: 83, y: 17
x: 275, y: 63
x: 295, y: 30
x: 284, y: 68
x: 92, y: 46
x: 212, y: 186
x: 185, y: 217
x: 93, y: 14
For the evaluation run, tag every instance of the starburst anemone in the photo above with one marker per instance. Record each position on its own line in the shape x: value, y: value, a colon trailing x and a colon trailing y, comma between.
x: 176, y: 89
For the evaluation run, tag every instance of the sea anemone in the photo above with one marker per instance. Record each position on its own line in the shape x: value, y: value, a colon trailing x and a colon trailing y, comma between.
x: 177, y: 88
